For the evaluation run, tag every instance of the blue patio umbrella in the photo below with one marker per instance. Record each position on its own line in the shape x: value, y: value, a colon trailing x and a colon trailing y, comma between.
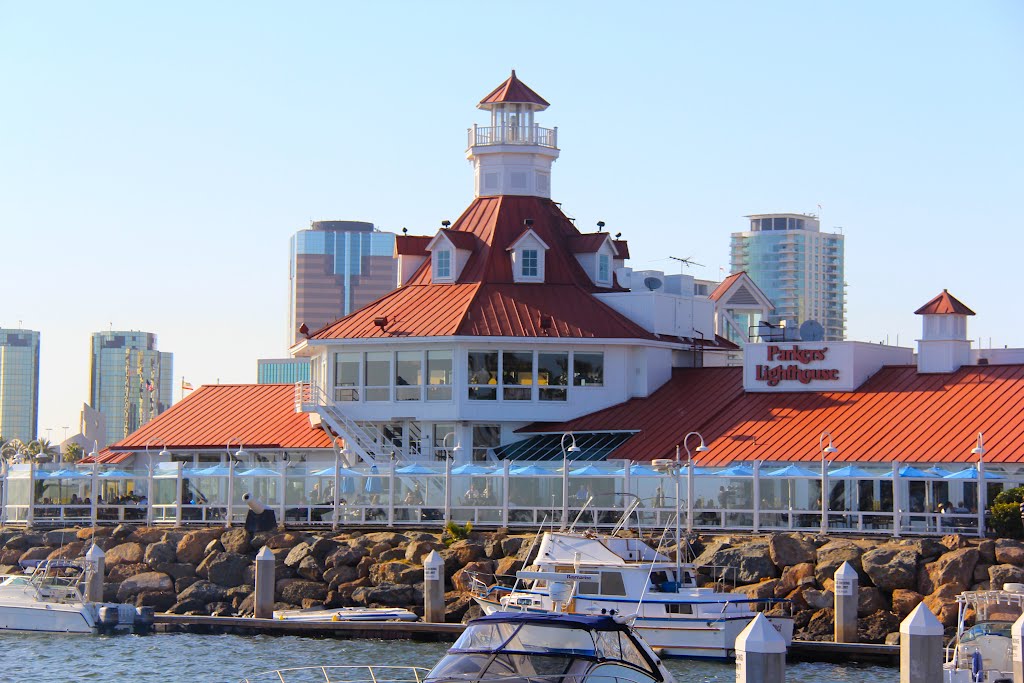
x: 588, y: 471
x: 938, y: 471
x: 736, y: 471
x: 68, y: 474
x: 850, y: 472
x: 116, y: 474
x: 214, y: 471
x: 471, y: 468
x: 972, y: 473
x: 697, y: 471
x: 793, y: 471
x: 910, y: 472
x: 415, y: 468
x: 259, y: 472
x: 373, y: 483
x: 639, y: 471
x: 346, y: 478
x: 530, y: 471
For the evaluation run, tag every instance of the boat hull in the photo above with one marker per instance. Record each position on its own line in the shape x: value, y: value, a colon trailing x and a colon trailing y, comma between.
x: 45, y: 618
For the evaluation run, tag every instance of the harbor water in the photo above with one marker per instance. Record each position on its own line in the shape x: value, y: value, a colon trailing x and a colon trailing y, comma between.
x: 181, y: 658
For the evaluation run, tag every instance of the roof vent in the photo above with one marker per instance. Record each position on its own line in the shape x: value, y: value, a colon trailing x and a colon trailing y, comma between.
x: 546, y: 322
x: 983, y: 361
x: 381, y: 322
x: 527, y: 222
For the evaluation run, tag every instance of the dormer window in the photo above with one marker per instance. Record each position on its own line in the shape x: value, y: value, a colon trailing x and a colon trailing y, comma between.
x: 443, y: 264
x: 528, y: 256
x: 529, y: 263
x: 604, y: 269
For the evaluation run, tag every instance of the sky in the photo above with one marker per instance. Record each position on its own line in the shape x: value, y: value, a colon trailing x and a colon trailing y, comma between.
x: 156, y: 157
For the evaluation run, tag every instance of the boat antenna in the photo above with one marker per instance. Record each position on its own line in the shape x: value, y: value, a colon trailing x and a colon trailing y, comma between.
x: 583, y: 509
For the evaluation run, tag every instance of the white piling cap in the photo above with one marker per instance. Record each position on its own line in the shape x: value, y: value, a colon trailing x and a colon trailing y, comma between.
x: 921, y: 622
x: 760, y: 637
x: 264, y: 555
x: 433, y: 559
x: 845, y: 571
x: 1017, y: 630
x: 95, y: 553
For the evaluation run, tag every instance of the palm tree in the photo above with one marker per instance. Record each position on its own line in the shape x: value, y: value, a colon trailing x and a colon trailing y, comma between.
x: 73, y: 452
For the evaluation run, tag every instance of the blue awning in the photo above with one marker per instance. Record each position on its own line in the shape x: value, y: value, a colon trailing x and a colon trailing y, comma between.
x: 972, y: 473
x: 473, y: 468
x: 793, y: 471
x: 909, y: 472
x: 851, y: 472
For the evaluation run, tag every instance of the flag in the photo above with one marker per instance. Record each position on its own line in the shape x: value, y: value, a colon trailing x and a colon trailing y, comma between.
x: 185, y: 386
x: 149, y: 385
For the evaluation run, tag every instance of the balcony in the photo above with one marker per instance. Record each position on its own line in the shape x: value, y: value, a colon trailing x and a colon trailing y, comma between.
x: 513, y: 135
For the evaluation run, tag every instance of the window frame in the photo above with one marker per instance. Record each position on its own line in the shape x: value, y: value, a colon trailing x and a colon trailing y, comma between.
x: 443, y: 257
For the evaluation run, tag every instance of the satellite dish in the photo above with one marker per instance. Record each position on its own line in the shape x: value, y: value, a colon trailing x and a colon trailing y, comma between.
x: 653, y: 283
x: 811, y: 330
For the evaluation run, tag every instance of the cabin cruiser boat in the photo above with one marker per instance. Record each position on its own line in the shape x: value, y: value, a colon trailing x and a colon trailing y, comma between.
x: 518, y: 648
x: 627, y: 577
x: 982, y: 650
x: 48, y: 598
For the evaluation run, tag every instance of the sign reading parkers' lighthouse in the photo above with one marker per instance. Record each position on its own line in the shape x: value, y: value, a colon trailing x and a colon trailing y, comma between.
x: 798, y: 366
x: 797, y: 370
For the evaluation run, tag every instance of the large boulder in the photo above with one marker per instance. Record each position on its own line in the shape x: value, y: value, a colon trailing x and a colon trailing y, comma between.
x: 322, y: 547
x: 204, y: 591
x: 146, y: 535
x: 146, y: 581
x: 511, y: 545
x: 88, y: 532
x: 227, y: 569
x: 1000, y: 574
x: 904, y: 602
x: 891, y: 567
x: 286, y: 540
x: 293, y: 591
x: 160, y: 601
x: 942, y: 603
x: 869, y: 601
x: 462, y: 579
x: 24, y: 541
x: 336, y: 576
x: 298, y: 553
x: 417, y: 550
x: 69, y: 551
x: 346, y: 555
x: 310, y: 568
x: 38, y: 553
x: 876, y: 627
x: 388, y: 595
x: 192, y: 546
x: 819, y: 600
x: 758, y: 591
x: 821, y: 626
x: 236, y: 540
x: 125, y: 553
x: 710, y: 552
x: 954, y: 567
x: 747, y: 563
x: 396, y: 572
x: 392, y: 538
x: 59, y: 537
x: 832, y: 555
x: 507, y: 567
x: 391, y: 555
x: 465, y: 551
x: 176, y: 570
x: 1009, y: 551
x: 791, y: 549
x: 120, y: 572
x: 159, y: 553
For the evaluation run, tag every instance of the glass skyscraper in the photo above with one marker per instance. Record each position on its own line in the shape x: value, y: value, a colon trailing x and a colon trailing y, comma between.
x: 337, y: 267
x: 798, y: 267
x: 19, y: 384
x: 131, y: 381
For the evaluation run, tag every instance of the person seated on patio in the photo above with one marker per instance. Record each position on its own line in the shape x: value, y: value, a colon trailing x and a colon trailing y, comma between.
x: 471, y: 495
x: 413, y: 496
x: 581, y: 495
x: 74, y: 500
x: 314, y: 495
x: 486, y: 498
x: 961, y: 508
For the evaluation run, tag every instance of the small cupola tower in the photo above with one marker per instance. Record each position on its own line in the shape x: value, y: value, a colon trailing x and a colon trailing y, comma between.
x: 943, y: 346
x: 513, y: 155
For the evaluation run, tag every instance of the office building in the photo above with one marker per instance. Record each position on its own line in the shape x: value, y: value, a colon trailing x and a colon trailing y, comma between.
x: 282, y: 370
x: 19, y: 384
x: 131, y: 381
x: 798, y: 267
x: 337, y: 267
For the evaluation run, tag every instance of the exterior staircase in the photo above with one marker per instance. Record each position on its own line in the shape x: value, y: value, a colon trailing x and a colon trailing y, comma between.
x: 362, y: 439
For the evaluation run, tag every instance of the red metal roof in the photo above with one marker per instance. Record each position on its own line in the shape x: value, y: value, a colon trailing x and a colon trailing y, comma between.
x: 513, y: 90
x: 621, y: 248
x: 587, y: 243
x: 411, y: 245
x: 486, y: 301
x: 258, y: 415
x: 459, y: 238
x: 898, y: 414
x: 944, y: 304
x: 107, y: 457
x: 724, y: 286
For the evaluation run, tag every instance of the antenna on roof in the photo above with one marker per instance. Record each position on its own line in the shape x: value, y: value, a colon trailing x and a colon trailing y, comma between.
x: 405, y: 231
x: 688, y: 261
x: 600, y: 226
x: 618, y: 235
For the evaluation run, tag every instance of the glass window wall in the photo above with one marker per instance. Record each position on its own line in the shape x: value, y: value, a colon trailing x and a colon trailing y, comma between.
x: 378, y: 376
x: 588, y: 369
x: 439, y: 375
x: 346, y: 376
x: 552, y: 375
x: 517, y: 375
x: 483, y: 375
x: 408, y: 376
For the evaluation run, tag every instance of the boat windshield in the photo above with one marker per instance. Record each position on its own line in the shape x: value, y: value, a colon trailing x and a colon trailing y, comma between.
x: 987, y: 628
x: 507, y: 667
x: 526, y: 638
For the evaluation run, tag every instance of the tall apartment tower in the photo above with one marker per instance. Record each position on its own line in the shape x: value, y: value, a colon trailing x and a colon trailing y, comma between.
x: 798, y: 267
x: 19, y: 384
x: 131, y: 381
x: 337, y: 267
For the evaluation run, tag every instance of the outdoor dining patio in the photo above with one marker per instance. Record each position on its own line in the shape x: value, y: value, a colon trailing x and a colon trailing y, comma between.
x: 891, y: 499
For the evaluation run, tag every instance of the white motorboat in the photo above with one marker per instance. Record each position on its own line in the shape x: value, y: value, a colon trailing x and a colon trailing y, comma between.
x: 516, y: 648
x: 982, y: 650
x: 630, y: 578
x: 49, y: 599
x: 347, y: 614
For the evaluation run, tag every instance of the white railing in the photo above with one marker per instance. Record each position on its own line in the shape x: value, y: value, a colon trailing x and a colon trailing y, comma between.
x: 513, y: 135
x: 363, y: 439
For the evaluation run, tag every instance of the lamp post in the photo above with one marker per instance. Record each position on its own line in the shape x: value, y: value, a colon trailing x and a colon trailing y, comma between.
x: 573, y: 448
x: 149, y: 475
x: 450, y: 452
x: 95, y: 455
x: 689, y: 484
x: 979, y: 450
x: 825, y: 451
x: 241, y: 455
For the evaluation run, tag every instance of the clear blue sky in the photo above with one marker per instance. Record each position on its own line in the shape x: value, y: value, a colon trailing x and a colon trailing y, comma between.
x: 155, y: 157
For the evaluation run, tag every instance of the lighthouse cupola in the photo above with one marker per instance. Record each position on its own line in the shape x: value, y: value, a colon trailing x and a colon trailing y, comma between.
x: 512, y: 155
x: 943, y: 346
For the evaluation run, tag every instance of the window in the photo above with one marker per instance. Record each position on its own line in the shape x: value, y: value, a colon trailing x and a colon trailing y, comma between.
x: 530, y: 263
x: 408, y: 376
x: 346, y: 376
x: 439, y: 375
x: 588, y: 369
x: 443, y: 264
x: 552, y: 375
x: 483, y: 375
x: 485, y: 436
x: 603, y: 274
x: 517, y: 375
x: 378, y: 376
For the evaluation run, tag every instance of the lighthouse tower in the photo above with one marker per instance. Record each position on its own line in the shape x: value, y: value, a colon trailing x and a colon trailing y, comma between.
x: 513, y: 155
x: 943, y: 346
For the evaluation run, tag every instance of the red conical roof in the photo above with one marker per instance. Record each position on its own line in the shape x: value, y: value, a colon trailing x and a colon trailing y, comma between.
x: 515, y: 91
x: 944, y: 304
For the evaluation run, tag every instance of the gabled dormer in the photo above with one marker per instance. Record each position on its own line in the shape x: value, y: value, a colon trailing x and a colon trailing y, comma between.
x: 449, y: 251
x: 597, y: 254
x: 528, y: 255
x: 411, y: 252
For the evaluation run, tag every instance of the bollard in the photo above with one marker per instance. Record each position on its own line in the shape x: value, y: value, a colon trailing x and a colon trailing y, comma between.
x: 95, y: 561
x: 1016, y: 634
x: 920, y: 647
x: 760, y: 653
x: 264, y: 600
x: 846, y: 581
x: 433, y: 588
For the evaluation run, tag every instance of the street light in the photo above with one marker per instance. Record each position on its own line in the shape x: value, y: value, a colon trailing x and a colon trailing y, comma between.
x: 450, y: 453
x: 825, y: 451
x: 573, y: 448
x: 241, y: 454
x: 149, y: 476
x: 689, y: 484
x: 979, y: 450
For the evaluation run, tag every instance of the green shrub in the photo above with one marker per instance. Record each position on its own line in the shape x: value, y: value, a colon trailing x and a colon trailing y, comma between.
x: 456, y: 532
x: 1015, y: 495
x: 1005, y: 519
